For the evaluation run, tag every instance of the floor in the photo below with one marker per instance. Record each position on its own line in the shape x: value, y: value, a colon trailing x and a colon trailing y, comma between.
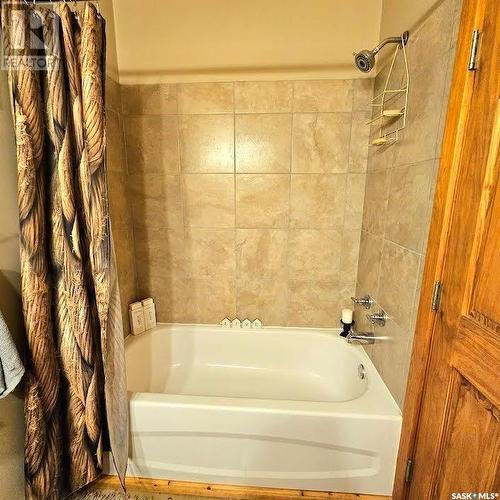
x: 112, y: 494
x: 108, y: 488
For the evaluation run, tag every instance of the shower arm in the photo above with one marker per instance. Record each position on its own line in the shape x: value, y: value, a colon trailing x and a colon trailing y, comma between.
x: 392, y: 39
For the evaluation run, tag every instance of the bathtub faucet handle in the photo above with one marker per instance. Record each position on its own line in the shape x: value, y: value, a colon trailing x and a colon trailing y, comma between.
x: 366, y: 301
x: 378, y: 318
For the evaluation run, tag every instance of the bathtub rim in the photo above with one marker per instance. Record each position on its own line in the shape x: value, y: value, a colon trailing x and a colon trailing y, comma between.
x: 375, y: 402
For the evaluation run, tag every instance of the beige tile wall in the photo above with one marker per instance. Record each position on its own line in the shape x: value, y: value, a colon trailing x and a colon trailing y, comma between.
x: 398, y: 200
x: 247, y: 197
x: 119, y: 198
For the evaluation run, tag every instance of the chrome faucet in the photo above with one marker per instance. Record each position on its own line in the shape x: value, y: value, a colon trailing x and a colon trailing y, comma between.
x: 363, y: 338
x: 360, y: 338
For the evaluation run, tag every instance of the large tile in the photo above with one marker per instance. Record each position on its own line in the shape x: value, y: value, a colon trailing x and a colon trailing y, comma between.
x: 314, y: 254
x: 160, y: 252
x: 409, y: 205
x: 113, y: 95
x: 354, y: 200
x: 435, y: 33
x: 261, y: 253
x: 262, y: 200
x: 457, y: 14
x: 362, y: 89
x: 349, y: 254
x: 156, y: 200
x: 263, y: 97
x: 317, y: 303
x: 210, y: 300
x: 375, y: 204
x: 370, y: 257
x: 360, y: 138
x: 380, y: 158
x: 416, y: 300
x: 119, y: 201
x: 154, y: 99
x: 419, y: 138
x: 263, y: 143
x: 399, y: 270
x: 207, y: 143
x: 321, y: 142
x: 123, y: 240
x: 152, y: 144
x: 210, y: 253
x: 197, y: 98
x: 391, y: 356
x: 262, y: 299
x: 445, y: 101
x: 115, y: 143
x: 209, y: 200
x: 323, y: 95
x: 170, y: 295
x: 317, y: 201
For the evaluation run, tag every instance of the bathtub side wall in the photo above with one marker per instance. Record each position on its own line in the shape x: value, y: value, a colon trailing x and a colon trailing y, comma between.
x: 399, y: 194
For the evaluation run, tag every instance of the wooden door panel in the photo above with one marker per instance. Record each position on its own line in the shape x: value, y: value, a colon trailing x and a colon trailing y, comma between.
x: 469, y: 451
x: 486, y: 301
x: 457, y: 439
x: 470, y: 457
x: 476, y: 355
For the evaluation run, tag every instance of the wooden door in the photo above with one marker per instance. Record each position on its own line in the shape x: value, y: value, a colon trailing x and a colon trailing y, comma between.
x: 451, y: 426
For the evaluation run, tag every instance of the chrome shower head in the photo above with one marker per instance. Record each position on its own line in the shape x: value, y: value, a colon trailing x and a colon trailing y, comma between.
x: 365, y: 59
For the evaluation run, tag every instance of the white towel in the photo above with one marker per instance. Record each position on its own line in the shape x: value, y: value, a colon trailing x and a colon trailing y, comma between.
x: 11, y: 368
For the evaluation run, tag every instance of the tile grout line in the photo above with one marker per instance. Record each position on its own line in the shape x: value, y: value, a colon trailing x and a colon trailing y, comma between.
x: 287, y: 254
x: 347, y: 192
x: 235, y: 257
x: 127, y: 187
x: 182, y: 194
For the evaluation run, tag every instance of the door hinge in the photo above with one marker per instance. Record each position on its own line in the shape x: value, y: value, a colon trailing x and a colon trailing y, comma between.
x: 472, y: 66
x: 409, y: 470
x: 436, y: 296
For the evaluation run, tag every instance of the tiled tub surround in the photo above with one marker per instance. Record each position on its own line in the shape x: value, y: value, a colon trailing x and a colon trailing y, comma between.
x: 247, y: 197
x: 399, y: 193
x: 120, y: 212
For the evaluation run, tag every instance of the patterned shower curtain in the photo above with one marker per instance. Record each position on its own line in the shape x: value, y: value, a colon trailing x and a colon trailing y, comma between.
x: 76, y: 400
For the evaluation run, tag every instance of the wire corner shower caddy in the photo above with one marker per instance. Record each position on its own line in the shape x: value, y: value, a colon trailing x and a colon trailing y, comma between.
x: 391, y: 104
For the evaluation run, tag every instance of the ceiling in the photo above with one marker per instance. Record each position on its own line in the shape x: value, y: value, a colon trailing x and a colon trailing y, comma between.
x: 193, y: 40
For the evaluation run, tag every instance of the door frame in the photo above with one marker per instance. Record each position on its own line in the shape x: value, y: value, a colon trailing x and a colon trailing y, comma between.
x: 459, y: 103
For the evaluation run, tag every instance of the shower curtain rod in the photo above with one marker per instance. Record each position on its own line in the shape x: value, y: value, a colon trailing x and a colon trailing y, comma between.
x: 31, y: 3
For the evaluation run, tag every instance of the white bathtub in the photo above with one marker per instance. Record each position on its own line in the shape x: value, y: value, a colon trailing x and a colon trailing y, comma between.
x: 277, y: 407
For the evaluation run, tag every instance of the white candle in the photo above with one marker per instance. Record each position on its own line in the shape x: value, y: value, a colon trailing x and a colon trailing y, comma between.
x: 347, y: 316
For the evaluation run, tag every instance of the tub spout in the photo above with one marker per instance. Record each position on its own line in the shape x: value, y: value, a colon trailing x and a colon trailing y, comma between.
x: 360, y: 338
x: 363, y: 338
